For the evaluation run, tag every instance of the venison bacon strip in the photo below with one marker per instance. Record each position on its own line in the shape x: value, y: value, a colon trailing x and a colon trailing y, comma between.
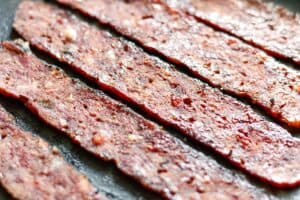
x: 220, y: 122
x: 113, y: 132
x: 213, y: 56
x: 263, y: 24
x: 31, y: 169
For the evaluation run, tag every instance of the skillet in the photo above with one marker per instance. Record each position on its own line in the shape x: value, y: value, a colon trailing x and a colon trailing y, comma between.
x: 103, y: 175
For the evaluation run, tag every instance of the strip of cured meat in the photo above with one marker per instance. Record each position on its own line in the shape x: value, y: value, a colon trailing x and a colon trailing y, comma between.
x: 263, y: 24
x: 213, y: 56
x: 113, y: 132
x: 31, y: 169
x: 195, y: 109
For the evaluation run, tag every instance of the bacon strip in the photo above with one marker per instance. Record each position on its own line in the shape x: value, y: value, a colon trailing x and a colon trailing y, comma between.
x: 206, y: 115
x: 113, y: 132
x: 265, y: 25
x: 213, y: 56
x: 31, y: 169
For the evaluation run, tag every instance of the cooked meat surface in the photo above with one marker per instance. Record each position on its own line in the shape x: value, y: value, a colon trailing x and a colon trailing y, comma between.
x: 31, y: 169
x: 113, y: 132
x: 215, y: 57
x: 263, y: 24
x: 218, y: 121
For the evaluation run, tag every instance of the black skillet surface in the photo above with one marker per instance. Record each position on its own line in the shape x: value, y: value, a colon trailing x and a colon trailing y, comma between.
x: 103, y: 175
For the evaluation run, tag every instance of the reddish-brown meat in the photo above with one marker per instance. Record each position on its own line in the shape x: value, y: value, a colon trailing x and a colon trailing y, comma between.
x: 213, y: 56
x: 269, y: 27
x: 113, y: 132
x: 31, y: 169
x: 206, y: 115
